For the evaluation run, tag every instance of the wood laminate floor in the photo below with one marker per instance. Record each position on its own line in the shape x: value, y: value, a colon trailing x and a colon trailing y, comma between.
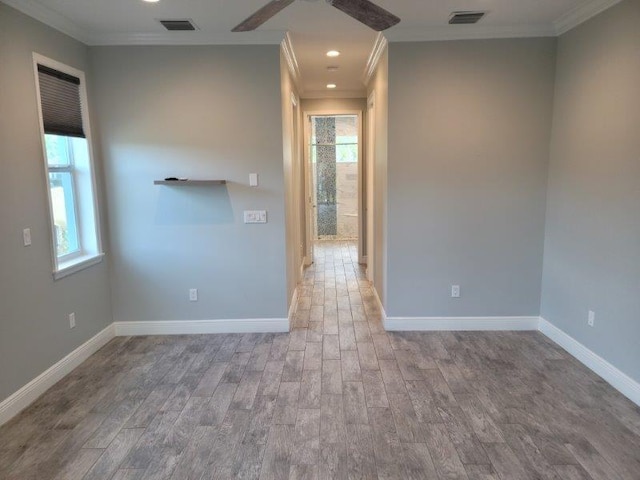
x: 336, y: 398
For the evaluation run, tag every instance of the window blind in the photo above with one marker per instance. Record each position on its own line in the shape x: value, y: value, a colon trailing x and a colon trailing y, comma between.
x: 60, y: 100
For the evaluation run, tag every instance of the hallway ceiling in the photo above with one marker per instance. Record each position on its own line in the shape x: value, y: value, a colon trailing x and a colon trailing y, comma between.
x: 314, y: 26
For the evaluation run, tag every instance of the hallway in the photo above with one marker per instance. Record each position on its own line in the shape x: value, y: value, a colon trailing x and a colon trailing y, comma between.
x: 336, y: 398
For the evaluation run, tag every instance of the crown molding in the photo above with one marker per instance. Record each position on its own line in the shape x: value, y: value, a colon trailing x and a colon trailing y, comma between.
x: 314, y: 94
x: 374, y: 57
x: 51, y: 18
x: 189, y: 38
x: 563, y: 24
x: 469, y: 32
x: 292, y: 62
x: 581, y: 14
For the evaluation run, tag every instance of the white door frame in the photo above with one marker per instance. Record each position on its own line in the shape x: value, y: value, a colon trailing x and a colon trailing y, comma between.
x: 370, y: 184
x: 310, y: 220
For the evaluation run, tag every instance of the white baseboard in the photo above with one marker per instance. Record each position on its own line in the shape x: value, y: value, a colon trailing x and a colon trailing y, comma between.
x: 21, y: 399
x: 425, y: 324
x: 194, y: 327
x: 616, y: 378
x: 294, y: 305
x: 379, y: 302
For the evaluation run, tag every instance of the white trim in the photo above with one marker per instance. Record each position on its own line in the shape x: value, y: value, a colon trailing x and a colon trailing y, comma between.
x: 379, y: 302
x: 294, y: 305
x: 51, y: 18
x: 616, y: 378
x: 290, y: 57
x: 273, y: 37
x: 90, y: 238
x: 77, y: 264
x: 469, y: 32
x: 426, y: 324
x: 374, y: 57
x: 581, y: 13
x: 564, y: 23
x: 199, y: 327
x: 312, y: 94
x: 21, y: 399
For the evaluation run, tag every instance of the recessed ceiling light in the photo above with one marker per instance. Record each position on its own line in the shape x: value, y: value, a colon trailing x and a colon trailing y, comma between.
x: 333, y: 53
x: 151, y: 1
x: 331, y: 85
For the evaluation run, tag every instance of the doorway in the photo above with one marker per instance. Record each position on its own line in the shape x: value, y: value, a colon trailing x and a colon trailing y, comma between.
x: 334, y: 183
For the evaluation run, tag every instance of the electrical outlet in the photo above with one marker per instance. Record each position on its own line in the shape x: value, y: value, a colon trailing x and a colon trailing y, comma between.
x: 193, y: 295
x: 26, y: 237
x: 253, y: 179
x: 255, y: 216
x: 72, y: 320
x: 455, y: 291
x: 591, y: 318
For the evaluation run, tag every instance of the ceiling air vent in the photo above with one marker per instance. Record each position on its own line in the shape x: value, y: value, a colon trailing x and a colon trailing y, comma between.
x: 465, y: 18
x: 178, y: 25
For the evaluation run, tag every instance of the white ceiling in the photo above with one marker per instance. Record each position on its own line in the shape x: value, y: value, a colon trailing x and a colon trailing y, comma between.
x: 314, y: 26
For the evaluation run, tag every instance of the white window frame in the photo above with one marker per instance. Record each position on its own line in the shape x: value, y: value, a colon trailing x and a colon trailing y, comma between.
x: 87, y: 217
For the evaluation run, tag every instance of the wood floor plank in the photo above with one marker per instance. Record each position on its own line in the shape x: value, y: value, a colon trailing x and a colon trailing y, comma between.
x: 417, y: 462
x: 361, y: 462
x: 355, y: 404
x: 246, y: 391
x: 287, y: 403
x: 293, y: 366
x: 331, y: 347
x: 444, y: 454
x: 214, y: 412
x: 79, y: 465
x: 374, y: 390
x: 277, y: 457
x: 350, y: 365
x: 109, y: 461
x: 310, y: 389
x: 305, y: 449
x: 331, y: 377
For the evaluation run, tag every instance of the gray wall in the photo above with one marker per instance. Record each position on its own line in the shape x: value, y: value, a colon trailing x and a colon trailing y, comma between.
x: 592, y: 246
x: 469, y: 126
x: 34, y: 328
x: 198, y: 112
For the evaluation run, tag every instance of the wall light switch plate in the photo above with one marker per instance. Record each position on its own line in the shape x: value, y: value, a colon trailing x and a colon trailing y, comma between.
x: 255, y: 216
x: 253, y: 179
x: 26, y: 237
x: 591, y: 318
x: 72, y: 320
x: 193, y: 294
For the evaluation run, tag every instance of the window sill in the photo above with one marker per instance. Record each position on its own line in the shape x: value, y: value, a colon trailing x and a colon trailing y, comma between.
x: 80, y: 263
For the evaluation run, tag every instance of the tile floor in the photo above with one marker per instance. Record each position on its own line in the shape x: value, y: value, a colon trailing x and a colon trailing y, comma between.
x: 336, y: 398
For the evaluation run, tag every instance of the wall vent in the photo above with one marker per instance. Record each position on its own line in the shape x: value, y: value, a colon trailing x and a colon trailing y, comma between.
x: 184, y: 25
x: 465, y: 18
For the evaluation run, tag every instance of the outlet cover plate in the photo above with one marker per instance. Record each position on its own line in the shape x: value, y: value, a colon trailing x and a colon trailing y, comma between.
x: 255, y: 216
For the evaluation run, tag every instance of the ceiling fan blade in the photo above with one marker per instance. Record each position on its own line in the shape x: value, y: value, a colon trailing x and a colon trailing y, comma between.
x: 368, y: 13
x: 262, y: 15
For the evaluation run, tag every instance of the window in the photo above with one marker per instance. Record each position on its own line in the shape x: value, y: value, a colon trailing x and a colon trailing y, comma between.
x: 62, y: 102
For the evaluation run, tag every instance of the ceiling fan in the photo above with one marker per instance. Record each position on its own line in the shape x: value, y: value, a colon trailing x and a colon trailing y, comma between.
x: 364, y: 11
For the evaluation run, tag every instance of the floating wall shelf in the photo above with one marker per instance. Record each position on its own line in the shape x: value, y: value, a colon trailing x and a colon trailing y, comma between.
x: 178, y: 183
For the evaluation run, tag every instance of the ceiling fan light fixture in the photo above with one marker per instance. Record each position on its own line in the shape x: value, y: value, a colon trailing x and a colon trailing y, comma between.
x: 331, y: 86
x: 333, y: 53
